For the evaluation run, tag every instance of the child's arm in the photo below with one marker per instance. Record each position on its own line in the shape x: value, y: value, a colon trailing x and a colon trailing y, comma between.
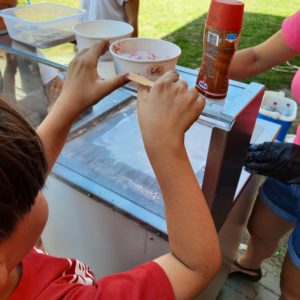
x: 260, y: 58
x: 165, y: 113
x: 82, y: 88
x: 131, y: 8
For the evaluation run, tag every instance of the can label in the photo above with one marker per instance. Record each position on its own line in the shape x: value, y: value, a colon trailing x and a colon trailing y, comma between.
x: 203, y: 84
x: 213, y: 38
x: 218, y: 49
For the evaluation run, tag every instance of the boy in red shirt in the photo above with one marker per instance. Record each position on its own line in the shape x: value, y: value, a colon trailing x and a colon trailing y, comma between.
x: 26, y: 157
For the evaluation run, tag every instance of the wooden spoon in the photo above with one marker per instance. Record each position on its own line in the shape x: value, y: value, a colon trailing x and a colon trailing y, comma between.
x: 140, y: 79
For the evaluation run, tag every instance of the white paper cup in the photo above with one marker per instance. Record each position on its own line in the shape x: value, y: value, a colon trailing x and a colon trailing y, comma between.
x: 89, y: 32
x: 167, y: 55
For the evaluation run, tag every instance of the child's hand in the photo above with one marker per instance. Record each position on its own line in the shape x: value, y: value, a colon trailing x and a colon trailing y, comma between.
x: 83, y: 87
x: 167, y: 110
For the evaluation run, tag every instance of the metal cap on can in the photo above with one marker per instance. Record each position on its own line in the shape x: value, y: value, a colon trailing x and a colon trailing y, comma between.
x: 226, y: 14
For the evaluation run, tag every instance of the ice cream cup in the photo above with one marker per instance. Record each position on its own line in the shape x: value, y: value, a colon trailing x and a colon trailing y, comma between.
x: 89, y: 32
x: 159, y: 56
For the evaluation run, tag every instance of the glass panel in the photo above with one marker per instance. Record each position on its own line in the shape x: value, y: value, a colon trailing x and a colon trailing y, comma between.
x: 58, y: 56
x: 110, y: 152
x: 28, y: 86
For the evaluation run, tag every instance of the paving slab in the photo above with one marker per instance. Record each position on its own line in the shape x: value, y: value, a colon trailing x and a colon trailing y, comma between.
x: 240, y: 289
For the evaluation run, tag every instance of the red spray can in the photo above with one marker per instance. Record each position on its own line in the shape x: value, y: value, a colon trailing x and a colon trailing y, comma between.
x: 221, y: 35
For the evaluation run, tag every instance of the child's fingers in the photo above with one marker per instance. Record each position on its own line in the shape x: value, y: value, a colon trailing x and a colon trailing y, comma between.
x: 99, y: 49
x: 142, y: 91
x: 197, y: 99
x: 194, y: 94
x: 169, y: 76
x: 201, y: 102
x: 93, y: 53
x: 109, y: 85
x: 183, y: 83
x: 82, y: 52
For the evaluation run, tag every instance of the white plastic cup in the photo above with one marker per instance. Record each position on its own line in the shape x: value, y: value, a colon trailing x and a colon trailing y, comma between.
x: 89, y: 32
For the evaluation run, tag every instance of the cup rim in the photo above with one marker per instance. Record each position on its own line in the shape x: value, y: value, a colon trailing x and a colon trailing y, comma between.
x: 75, y: 29
x: 144, y: 60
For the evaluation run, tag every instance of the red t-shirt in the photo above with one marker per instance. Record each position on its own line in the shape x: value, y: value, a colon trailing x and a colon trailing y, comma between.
x: 47, y: 277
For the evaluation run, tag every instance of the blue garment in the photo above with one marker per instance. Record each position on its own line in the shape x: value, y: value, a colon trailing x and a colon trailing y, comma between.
x: 284, y: 200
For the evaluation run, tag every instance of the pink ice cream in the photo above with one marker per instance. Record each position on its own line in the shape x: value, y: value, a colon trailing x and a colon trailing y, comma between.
x: 140, y: 55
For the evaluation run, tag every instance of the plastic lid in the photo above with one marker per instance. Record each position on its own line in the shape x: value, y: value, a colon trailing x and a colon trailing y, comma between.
x: 226, y: 14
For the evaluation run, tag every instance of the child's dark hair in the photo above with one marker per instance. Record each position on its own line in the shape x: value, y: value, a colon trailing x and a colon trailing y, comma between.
x: 23, y: 166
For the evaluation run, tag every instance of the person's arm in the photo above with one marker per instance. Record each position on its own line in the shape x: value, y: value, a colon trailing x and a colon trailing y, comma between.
x: 165, y: 112
x: 257, y: 59
x: 131, y: 8
x: 82, y: 88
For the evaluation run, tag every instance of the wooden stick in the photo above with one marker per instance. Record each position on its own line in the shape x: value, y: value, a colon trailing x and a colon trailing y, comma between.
x: 140, y: 79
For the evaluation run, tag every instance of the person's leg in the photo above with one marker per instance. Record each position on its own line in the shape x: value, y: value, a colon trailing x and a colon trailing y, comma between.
x: 289, y: 281
x: 265, y: 230
x: 290, y: 274
x: 274, y: 214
